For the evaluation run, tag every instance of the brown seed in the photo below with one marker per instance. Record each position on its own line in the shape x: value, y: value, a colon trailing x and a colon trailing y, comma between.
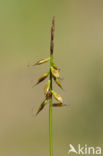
x: 42, y: 106
x: 43, y: 77
x: 42, y: 61
x: 58, y: 83
x: 46, y: 88
x: 55, y: 72
x: 57, y: 97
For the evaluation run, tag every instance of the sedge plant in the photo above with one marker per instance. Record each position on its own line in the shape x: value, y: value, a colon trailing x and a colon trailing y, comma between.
x: 53, y: 74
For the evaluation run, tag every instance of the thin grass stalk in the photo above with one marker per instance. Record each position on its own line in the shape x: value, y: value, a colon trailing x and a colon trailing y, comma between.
x: 51, y: 87
x: 48, y: 89
x: 50, y: 113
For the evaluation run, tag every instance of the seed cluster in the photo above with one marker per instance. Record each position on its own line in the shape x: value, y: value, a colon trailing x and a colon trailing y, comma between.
x: 54, y: 73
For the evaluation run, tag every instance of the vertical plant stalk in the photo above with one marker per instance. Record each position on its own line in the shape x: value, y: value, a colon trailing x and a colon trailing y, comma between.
x: 53, y: 73
x: 51, y: 87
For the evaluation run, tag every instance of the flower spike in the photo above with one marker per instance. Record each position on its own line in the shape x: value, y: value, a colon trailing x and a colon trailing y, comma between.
x: 49, y: 93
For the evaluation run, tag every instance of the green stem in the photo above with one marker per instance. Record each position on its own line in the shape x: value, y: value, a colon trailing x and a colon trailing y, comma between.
x: 50, y: 110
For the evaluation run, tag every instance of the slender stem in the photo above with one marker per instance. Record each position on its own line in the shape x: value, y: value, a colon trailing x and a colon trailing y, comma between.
x: 50, y: 110
x: 51, y: 87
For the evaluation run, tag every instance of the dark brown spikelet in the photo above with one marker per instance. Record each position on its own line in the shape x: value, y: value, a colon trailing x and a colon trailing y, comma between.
x: 43, y: 77
x: 42, y: 106
x: 52, y: 36
x: 58, y: 104
x: 52, y: 46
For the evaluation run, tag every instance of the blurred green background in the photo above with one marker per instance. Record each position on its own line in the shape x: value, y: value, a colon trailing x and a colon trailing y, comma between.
x: 24, y: 39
